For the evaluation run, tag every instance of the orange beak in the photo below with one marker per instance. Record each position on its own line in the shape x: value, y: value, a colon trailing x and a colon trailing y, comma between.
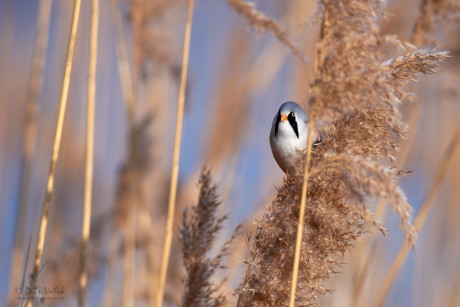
x: 283, y: 118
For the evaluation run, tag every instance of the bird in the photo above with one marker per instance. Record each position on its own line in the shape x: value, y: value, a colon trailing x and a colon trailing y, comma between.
x: 288, y: 135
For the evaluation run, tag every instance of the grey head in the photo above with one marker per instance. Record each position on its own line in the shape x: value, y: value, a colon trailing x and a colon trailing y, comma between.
x: 289, y: 135
x: 295, y: 115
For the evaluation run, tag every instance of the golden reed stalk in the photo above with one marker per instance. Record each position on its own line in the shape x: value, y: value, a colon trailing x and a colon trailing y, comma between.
x: 56, y: 146
x: 449, y: 158
x: 176, y: 157
x: 30, y: 136
x: 127, y: 90
x: 89, y: 163
x: 303, y: 202
x: 370, y: 247
x: 124, y: 72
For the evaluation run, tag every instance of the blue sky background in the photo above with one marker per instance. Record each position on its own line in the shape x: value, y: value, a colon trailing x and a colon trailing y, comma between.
x: 255, y: 174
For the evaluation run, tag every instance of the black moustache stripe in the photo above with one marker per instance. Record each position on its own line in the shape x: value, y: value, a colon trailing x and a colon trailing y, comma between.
x: 278, y: 119
x: 293, y: 123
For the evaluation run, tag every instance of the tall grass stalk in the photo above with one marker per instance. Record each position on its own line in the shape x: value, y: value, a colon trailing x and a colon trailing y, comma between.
x: 89, y: 163
x: 420, y: 31
x: 124, y: 72
x: 128, y: 260
x: 30, y: 135
x: 413, y: 120
x: 260, y: 22
x: 137, y: 19
x: 300, y: 225
x: 112, y: 261
x: 420, y: 219
x: 41, y: 235
x: 176, y: 157
x: 127, y: 90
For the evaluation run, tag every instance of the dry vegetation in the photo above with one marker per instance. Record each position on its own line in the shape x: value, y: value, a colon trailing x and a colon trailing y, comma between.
x: 123, y: 233
x: 198, y: 234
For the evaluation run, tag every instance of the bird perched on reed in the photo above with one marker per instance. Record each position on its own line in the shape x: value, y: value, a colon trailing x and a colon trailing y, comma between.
x: 289, y: 133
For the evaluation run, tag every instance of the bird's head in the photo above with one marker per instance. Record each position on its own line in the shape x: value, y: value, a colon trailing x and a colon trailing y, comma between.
x: 291, y: 118
x: 289, y: 134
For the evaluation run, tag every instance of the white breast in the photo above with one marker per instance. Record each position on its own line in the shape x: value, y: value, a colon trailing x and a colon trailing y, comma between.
x: 286, y: 145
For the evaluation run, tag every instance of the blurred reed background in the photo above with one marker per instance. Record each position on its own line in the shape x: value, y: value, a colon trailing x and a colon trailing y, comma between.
x: 237, y: 78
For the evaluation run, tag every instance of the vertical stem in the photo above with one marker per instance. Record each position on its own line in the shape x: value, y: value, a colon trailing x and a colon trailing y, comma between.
x: 419, y: 32
x: 128, y: 259
x: 56, y: 146
x: 113, y: 255
x: 413, y: 120
x: 89, y: 163
x: 176, y: 156
x: 138, y: 23
x: 303, y: 202
x: 30, y: 133
x: 147, y: 229
x: 127, y: 80
x: 124, y: 72
x: 392, y: 273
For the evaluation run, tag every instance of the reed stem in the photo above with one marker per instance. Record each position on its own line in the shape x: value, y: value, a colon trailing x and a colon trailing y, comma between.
x: 300, y: 225
x: 30, y: 136
x: 419, y: 222
x: 176, y: 157
x: 89, y: 163
x: 124, y: 72
x: 41, y: 235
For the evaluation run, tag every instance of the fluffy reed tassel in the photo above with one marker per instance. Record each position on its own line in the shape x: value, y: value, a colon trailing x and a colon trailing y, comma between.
x: 406, y: 67
x: 197, y: 235
x: 358, y: 98
x: 260, y: 22
x: 133, y: 171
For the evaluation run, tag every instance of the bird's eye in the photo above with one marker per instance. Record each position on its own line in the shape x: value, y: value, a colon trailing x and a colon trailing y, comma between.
x: 292, y: 114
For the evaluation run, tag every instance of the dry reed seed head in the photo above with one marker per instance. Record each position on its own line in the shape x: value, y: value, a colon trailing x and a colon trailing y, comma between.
x: 353, y: 165
x: 200, y: 226
x: 140, y: 143
x: 340, y: 187
x: 149, y: 9
x: 349, y: 75
x: 407, y: 67
x: 353, y: 83
x: 362, y: 133
x: 260, y: 22
x: 432, y: 14
x: 134, y: 168
x: 153, y: 37
x: 365, y: 179
x: 331, y: 225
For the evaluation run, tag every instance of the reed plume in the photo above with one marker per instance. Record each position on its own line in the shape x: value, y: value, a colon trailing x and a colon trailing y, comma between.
x: 261, y: 22
x: 176, y: 157
x: 432, y: 13
x: 130, y: 196
x: 357, y: 99
x: 135, y: 167
x: 200, y: 226
x: 152, y: 37
x: 408, y: 66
